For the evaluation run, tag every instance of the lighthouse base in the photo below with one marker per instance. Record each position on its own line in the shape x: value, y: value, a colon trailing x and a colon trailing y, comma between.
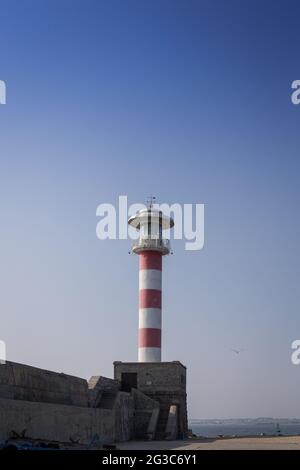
x: 164, y: 382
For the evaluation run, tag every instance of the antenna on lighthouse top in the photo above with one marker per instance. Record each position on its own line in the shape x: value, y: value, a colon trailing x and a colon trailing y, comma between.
x: 150, y: 201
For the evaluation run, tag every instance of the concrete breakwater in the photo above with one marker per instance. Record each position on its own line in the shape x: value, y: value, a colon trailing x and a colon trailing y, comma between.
x: 41, y: 404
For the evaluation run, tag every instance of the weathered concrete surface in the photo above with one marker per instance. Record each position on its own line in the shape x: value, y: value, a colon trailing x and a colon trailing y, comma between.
x: 124, y: 417
x: 172, y: 423
x: 46, y: 405
x: 164, y: 382
x: 100, y: 388
x: 22, y: 382
x: 53, y: 422
x: 142, y: 401
x: 152, y: 425
x: 154, y: 376
x: 145, y: 415
x: 104, y: 393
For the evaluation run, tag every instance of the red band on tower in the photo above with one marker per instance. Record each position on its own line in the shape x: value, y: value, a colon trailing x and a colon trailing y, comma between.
x: 150, y: 298
x: 149, y: 338
x: 150, y: 260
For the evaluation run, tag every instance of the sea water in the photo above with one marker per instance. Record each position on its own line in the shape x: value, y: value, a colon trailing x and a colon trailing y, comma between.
x: 215, y: 428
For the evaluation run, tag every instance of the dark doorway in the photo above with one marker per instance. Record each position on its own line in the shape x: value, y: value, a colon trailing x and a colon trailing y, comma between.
x: 128, y: 381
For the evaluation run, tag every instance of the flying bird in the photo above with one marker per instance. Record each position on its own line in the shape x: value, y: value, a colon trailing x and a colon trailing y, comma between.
x: 236, y: 351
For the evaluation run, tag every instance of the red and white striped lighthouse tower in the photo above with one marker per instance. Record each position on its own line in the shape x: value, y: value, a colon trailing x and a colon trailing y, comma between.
x: 151, y: 247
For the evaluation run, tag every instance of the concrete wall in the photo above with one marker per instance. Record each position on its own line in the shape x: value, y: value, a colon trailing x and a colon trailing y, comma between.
x: 46, y: 405
x: 164, y: 382
x: 124, y: 417
x: 99, y: 386
x: 145, y: 415
x: 172, y: 423
x: 154, y: 376
x: 22, y: 382
x: 62, y: 423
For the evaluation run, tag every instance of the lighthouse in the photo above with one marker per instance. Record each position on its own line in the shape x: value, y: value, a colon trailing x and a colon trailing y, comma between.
x: 164, y: 382
x: 151, y: 246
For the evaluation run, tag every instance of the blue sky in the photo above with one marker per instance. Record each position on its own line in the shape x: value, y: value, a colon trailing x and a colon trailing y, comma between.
x: 187, y: 100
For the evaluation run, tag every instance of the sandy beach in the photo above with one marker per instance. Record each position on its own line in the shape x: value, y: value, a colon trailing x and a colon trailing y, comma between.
x: 239, y: 443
